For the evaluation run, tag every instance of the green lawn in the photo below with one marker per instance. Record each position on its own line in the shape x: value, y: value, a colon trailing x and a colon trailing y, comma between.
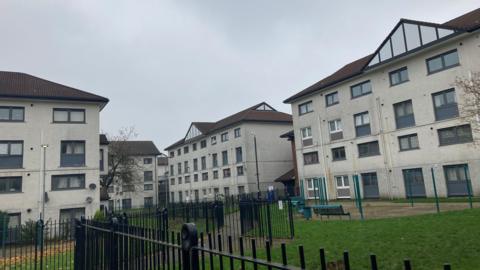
x: 428, y: 240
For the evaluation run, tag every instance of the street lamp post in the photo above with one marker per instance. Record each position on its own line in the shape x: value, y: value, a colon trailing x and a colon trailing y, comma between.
x: 44, y: 149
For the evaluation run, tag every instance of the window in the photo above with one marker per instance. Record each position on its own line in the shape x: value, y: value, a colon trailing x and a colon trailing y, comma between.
x: 172, y: 181
x: 12, y: 114
x: 362, y: 124
x: 338, y: 153
x: 128, y: 188
x: 179, y: 180
x: 186, y: 169
x: 10, y: 184
x: 226, y: 191
x: 205, y: 176
x: 68, y: 115
x: 343, y: 186
x: 195, y: 178
x: 172, y: 154
x: 204, y: 163
x: 203, y: 144
x: 224, y: 137
x: 312, y: 187
x: 305, y: 108
x: 195, y: 164
x: 408, y: 142
x: 147, y: 176
x: 172, y: 196
x: 224, y: 158
x: 71, y: 181
x: 126, y: 203
x: 179, y: 168
x: 404, y: 114
x: 239, y: 154
x: 239, y: 170
x: 310, y: 158
x: 455, y: 135
x: 102, y: 160
x: 148, y: 187
x: 331, y: 99
x: 215, y: 174
x: 72, y: 154
x: 241, y: 190
x: 11, y: 154
x: 445, y: 104
x: 368, y: 149
x: 226, y: 173
x: 306, y: 134
x: 214, y: 160
x: 70, y: 214
x: 213, y: 140
x: 236, y: 133
x: 335, y: 128
x: 179, y: 151
x: 148, y: 201
x: 186, y: 149
x: 180, y: 196
x: 443, y: 61
x: 361, y: 89
x: 187, y: 179
x: 147, y: 161
x: 172, y: 172
x: 398, y: 76
x: 110, y: 189
x: 194, y: 147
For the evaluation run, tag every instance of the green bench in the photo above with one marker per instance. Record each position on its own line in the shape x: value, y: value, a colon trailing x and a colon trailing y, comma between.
x: 325, y: 210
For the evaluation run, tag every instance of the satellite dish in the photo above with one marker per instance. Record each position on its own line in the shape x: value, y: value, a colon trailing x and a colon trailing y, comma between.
x: 92, y: 186
x: 89, y: 200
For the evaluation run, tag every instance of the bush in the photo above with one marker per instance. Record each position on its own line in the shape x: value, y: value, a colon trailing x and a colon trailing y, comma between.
x: 99, y: 216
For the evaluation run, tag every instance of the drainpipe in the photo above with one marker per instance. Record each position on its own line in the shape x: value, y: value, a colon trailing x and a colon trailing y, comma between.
x: 322, y: 150
x: 387, y: 158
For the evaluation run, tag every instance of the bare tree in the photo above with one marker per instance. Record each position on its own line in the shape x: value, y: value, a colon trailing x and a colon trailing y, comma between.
x: 470, y: 105
x: 122, y: 166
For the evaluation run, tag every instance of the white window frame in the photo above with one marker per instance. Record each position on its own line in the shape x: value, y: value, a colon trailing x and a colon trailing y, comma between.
x: 338, y: 126
x: 343, y: 186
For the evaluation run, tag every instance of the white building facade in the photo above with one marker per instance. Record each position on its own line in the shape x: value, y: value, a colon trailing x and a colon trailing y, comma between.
x: 394, y: 117
x: 220, y: 158
x: 49, y: 149
x: 143, y: 190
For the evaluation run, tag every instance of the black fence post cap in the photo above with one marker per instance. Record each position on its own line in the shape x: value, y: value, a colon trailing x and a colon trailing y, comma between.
x: 189, y: 236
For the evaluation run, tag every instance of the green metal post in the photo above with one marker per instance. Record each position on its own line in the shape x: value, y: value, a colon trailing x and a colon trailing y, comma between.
x: 4, y: 234
x: 358, y: 197
x: 469, y: 187
x: 319, y: 191
x: 435, y: 191
x: 325, y: 190
x: 410, y: 187
x: 302, y: 191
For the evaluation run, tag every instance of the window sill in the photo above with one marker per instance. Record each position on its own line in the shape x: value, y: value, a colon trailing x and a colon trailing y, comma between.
x: 407, y: 150
x: 68, y: 189
x: 393, y: 85
x: 333, y: 104
x: 76, y: 123
x: 372, y: 155
x: 335, y: 160
x: 12, y: 168
x: 11, y: 192
x: 311, y: 163
x: 362, y: 95
x: 302, y: 114
x: 440, y: 145
x: 12, y: 121
x: 77, y: 167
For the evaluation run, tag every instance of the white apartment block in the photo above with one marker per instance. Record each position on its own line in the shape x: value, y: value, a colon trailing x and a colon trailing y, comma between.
x: 393, y: 116
x: 220, y: 158
x: 49, y: 149
x: 142, y: 191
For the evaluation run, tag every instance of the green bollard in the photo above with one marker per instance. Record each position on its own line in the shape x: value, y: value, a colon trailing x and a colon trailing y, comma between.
x: 358, y: 197
x: 325, y: 190
x: 469, y: 187
x: 437, y: 203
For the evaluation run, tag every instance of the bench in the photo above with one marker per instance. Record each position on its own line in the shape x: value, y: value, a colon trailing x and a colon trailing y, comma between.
x: 325, y: 210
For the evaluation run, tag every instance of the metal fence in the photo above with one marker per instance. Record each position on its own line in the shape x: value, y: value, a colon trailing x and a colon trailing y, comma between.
x: 120, y: 246
x: 38, y: 245
x: 264, y: 219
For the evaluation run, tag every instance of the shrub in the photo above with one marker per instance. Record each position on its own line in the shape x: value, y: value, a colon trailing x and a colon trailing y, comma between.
x: 99, y: 216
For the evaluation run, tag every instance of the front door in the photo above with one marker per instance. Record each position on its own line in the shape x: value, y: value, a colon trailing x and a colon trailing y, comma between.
x: 456, y: 177
x: 370, y: 186
x: 414, y: 184
x: 343, y: 186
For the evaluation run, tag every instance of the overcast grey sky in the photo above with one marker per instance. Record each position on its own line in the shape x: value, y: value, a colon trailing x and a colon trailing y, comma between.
x: 164, y: 64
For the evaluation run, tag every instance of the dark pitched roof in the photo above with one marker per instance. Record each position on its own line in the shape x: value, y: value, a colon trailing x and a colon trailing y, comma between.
x: 290, y: 175
x: 139, y: 148
x: 466, y: 22
x: 21, y: 85
x: 103, y: 139
x: 247, y: 115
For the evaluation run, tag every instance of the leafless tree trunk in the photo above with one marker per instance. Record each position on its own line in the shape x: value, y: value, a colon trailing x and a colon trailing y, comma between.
x: 470, y: 104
